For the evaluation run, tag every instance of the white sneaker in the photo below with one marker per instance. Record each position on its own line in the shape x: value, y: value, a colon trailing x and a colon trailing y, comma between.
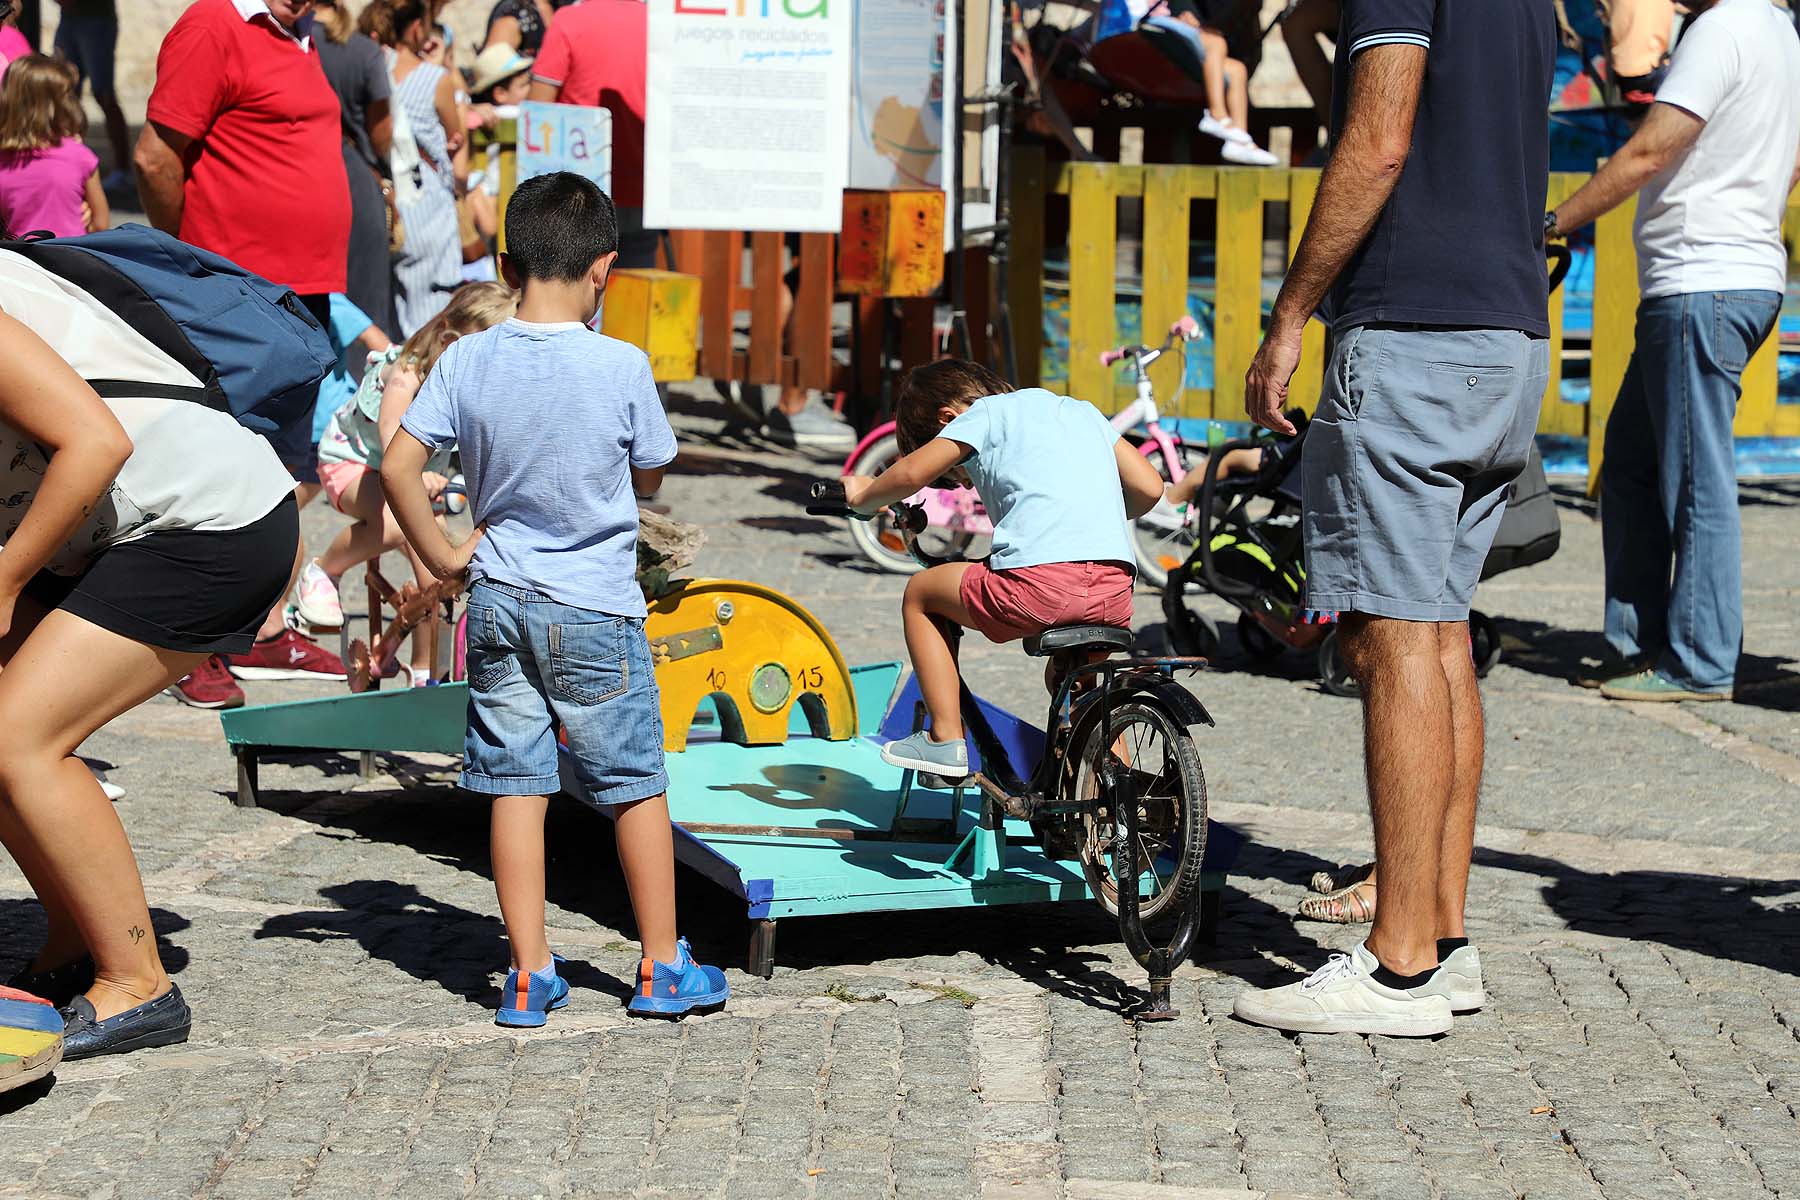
x: 1222, y: 128
x: 1458, y: 980
x: 1247, y: 154
x: 317, y: 596
x: 1343, y: 997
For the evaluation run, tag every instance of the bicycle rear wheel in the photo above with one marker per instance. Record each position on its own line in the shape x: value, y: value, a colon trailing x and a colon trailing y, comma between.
x: 1163, y: 778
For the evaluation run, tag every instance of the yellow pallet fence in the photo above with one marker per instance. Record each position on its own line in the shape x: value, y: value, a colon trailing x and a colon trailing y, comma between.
x: 1094, y: 191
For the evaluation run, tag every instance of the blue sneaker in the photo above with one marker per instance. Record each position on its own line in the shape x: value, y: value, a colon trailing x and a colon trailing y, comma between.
x: 526, y: 999
x: 672, y: 991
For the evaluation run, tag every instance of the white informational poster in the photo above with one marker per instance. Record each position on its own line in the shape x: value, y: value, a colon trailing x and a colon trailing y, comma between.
x: 747, y: 116
x: 897, y: 95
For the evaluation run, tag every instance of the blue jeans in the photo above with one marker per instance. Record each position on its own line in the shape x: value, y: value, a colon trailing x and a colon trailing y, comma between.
x: 535, y: 664
x: 1668, y: 488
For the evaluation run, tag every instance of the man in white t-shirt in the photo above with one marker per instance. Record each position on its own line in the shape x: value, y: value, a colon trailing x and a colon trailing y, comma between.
x: 1715, y: 158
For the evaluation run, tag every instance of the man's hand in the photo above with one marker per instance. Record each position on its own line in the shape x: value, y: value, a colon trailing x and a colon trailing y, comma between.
x: 1266, y: 383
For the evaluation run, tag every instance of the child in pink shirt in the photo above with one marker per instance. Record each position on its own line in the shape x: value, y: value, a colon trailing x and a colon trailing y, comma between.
x: 48, y: 179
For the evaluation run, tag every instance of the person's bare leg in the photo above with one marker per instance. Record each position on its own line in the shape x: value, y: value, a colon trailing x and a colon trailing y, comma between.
x: 516, y: 844
x: 66, y: 680
x: 62, y: 940
x: 372, y: 532
x: 1237, y: 92
x: 1408, y: 752
x: 276, y: 621
x: 1468, y: 736
x: 1301, y: 32
x: 932, y: 594
x: 1212, y: 71
x: 647, y: 858
x: 118, y: 134
x: 792, y: 399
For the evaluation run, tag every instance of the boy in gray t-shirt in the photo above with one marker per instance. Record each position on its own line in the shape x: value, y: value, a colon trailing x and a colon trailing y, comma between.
x: 559, y: 426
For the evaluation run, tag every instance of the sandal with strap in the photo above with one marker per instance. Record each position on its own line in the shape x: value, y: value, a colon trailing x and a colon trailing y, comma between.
x: 1347, y: 906
x: 1325, y: 882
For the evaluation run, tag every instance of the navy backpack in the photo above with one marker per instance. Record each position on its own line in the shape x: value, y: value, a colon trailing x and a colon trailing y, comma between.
x: 257, y: 351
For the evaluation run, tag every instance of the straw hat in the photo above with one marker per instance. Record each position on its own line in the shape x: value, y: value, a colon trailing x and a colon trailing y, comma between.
x: 497, y: 64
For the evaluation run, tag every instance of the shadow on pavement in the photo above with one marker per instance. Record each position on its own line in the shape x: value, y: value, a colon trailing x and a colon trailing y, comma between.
x: 1722, y: 917
x: 22, y: 935
x: 1560, y: 654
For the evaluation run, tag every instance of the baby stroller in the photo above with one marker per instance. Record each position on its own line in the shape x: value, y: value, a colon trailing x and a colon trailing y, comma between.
x: 1248, y: 553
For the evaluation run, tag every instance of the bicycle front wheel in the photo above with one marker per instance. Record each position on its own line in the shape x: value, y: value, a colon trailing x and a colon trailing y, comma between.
x: 1162, y: 776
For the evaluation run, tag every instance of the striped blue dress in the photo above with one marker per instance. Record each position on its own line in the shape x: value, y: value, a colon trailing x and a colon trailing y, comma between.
x: 429, y: 266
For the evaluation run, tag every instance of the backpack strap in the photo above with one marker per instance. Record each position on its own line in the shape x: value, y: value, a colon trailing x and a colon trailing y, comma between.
x: 119, y: 293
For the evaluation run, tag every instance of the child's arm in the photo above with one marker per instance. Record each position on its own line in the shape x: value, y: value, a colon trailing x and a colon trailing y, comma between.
x: 920, y: 469
x: 99, y: 213
x: 374, y: 340
x: 396, y: 397
x: 402, y: 468
x: 1142, y: 486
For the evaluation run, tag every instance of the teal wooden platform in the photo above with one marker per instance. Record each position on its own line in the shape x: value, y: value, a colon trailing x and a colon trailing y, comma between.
x: 811, y: 827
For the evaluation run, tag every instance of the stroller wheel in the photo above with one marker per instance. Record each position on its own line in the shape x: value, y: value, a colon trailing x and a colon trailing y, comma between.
x: 1484, y: 642
x: 1257, y: 642
x: 1333, y: 673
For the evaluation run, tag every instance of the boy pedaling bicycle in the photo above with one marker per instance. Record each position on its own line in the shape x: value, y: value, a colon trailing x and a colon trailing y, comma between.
x: 1060, y: 486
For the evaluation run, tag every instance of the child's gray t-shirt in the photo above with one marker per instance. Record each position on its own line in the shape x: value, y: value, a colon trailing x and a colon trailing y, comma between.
x: 550, y: 419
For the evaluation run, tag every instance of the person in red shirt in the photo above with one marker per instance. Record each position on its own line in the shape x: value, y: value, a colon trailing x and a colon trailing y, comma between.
x: 594, y: 55
x: 241, y: 154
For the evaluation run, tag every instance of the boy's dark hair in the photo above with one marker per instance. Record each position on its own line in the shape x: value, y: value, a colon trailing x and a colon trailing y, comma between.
x: 557, y: 225
x: 927, y: 389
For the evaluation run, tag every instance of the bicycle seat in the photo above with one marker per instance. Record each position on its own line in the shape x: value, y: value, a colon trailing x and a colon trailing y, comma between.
x: 1078, y: 637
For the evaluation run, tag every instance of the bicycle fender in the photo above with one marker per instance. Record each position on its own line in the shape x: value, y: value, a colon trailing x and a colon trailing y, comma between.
x: 1177, y: 699
x: 1158, y: 689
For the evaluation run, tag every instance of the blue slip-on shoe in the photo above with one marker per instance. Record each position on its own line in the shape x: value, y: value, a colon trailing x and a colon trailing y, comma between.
x: 164, y: 1021
x: 526, y: 999
x: 666, y: 990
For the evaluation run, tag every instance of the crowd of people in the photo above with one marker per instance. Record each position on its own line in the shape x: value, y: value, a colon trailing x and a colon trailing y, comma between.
x: 154, y: 542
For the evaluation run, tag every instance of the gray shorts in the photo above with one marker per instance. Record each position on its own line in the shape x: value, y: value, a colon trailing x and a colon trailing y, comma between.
x: 1408, y: 464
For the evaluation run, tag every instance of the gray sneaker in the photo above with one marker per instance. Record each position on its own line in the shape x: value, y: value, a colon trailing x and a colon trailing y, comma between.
x: 950, y: 760
x: 814, y: 427
x: 1458, y: 980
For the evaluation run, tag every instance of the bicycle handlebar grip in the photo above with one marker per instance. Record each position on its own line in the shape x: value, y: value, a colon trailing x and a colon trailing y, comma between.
x: 1187, y: 327
x: 1109, y: 357
x: 828, y: 499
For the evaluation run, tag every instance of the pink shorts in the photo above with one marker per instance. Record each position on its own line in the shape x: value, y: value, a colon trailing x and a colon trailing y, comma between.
x: 336, y: 478
x: 1008, y: 605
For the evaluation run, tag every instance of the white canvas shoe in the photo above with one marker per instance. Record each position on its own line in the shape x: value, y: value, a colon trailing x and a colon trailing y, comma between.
x: 1223, y: 128
x: 1343, y: 997
x: 1458, y: 980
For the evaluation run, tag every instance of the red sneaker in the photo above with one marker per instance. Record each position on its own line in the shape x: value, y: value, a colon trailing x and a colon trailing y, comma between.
x: 289, y: 656
x: 209, y: 686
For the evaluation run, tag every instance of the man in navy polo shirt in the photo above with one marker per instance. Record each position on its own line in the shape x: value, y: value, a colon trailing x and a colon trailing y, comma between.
x: 1426, y: 248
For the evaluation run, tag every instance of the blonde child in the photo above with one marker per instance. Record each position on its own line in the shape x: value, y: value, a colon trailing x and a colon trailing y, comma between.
x: 350, y: 450
x: 49, y: 180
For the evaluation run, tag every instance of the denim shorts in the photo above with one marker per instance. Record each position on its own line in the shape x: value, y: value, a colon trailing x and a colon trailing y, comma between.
x: 1408, y: 464
x: 535, y: 664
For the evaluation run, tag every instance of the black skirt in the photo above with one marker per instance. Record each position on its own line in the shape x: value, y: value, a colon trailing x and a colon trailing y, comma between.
x: 197, y: 591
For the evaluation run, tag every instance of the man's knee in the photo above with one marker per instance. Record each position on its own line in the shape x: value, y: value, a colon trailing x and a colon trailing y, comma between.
x: 1376, y: 646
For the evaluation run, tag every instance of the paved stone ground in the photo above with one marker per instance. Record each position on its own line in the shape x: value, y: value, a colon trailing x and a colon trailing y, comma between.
x: 1634, y: 897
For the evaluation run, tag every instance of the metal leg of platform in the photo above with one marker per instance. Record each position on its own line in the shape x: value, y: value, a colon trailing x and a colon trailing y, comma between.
x: 246, y: 777
x: 762, y: 949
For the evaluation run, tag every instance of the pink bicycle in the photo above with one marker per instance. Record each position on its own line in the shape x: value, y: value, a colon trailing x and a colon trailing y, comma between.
x: 955, y: 518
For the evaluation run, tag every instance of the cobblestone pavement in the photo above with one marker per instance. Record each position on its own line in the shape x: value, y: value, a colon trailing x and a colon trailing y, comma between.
x: 1634, y: 898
